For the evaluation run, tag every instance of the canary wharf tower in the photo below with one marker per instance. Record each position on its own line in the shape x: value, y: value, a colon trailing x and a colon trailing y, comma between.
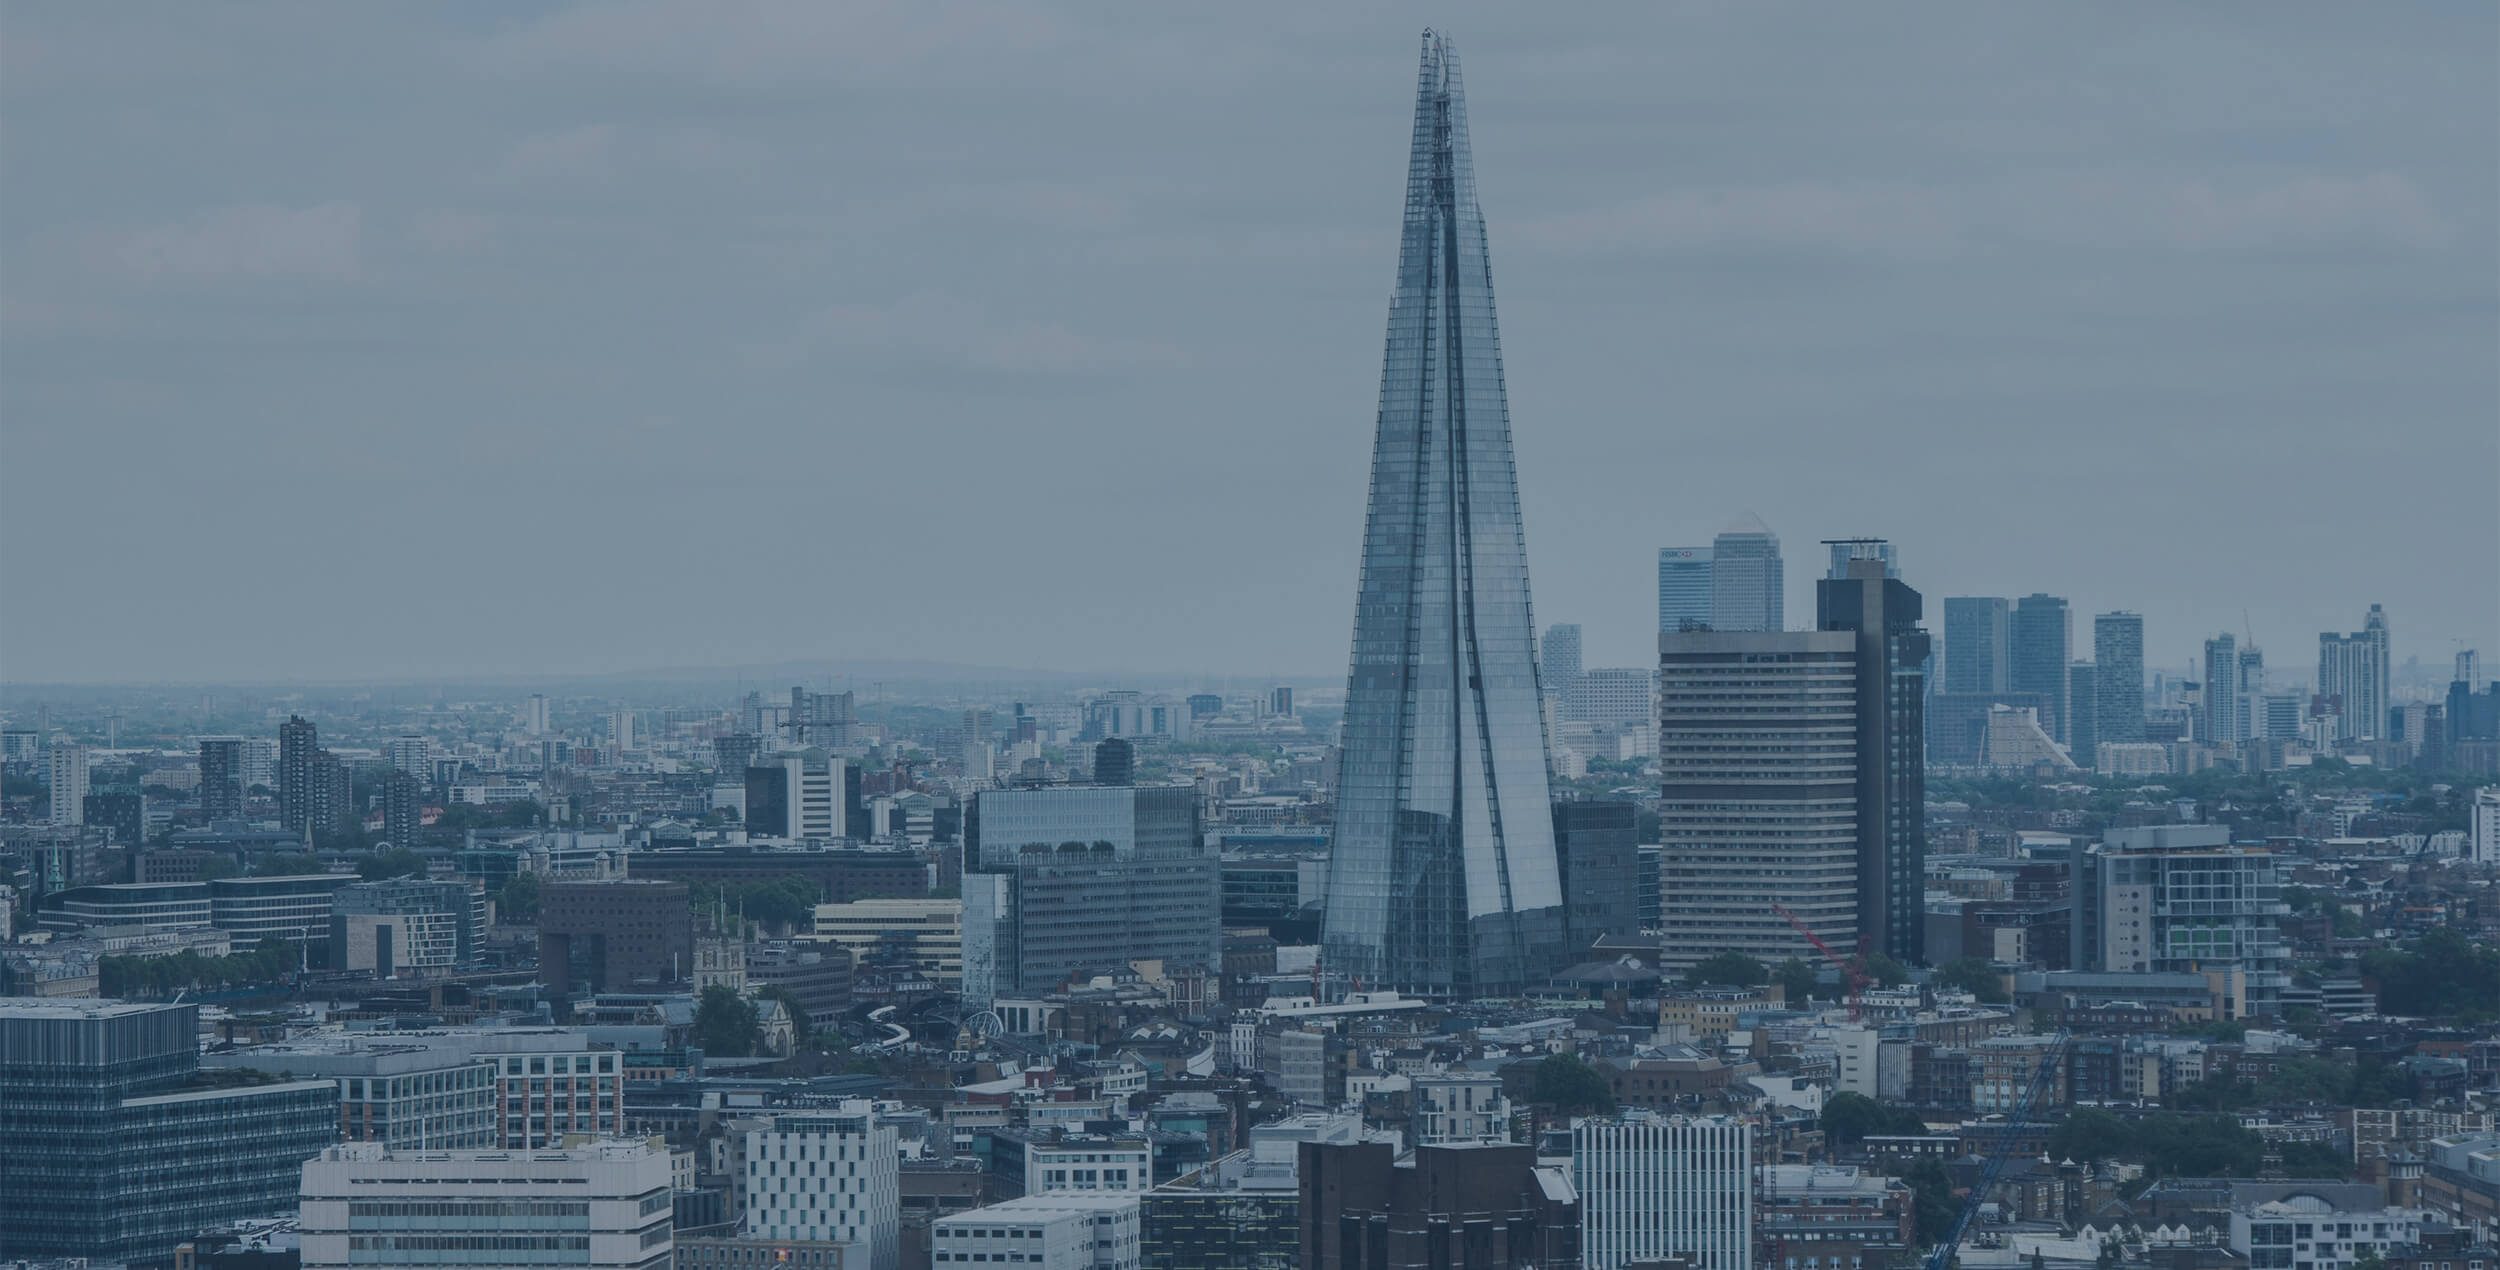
x: 1443, y: 878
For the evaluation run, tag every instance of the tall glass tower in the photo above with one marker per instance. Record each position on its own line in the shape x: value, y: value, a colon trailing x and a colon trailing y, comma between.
x: 1443, y: 879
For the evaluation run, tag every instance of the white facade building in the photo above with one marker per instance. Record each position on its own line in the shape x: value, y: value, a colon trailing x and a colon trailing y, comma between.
x: 2484, y: 828
x: 1088, y: 1166
x: 1460, y: 1109
x: 69, y: 783
x: 1654, y: 1186
x: 2306, y: 1231
x: 1043, y: 1232
x: 605, y: 1203
x: 832, y: 1176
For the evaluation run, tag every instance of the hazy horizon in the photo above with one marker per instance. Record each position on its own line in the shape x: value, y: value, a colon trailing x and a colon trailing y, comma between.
x: 472, y: 344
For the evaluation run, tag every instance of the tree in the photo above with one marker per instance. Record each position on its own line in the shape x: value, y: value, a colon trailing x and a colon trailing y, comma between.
x: 1848, y: 1119
x: 1885, y: 971
x: 1731, y: 969
x: 516, y: 901
x: 1796, y: 979
x: 1931, y: 1196
x: 1976, y: 976
x: 287, y: 864
x: 216, y: 867
x: 390, y: 864
x: 725, y: 1024
x: 1571, y: 1086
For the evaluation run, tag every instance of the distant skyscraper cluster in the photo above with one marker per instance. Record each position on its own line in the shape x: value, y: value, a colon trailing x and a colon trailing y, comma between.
x: 1734, y: 584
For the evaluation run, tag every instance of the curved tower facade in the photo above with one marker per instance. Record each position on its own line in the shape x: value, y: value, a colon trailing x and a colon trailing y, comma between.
x: 1443, y: 879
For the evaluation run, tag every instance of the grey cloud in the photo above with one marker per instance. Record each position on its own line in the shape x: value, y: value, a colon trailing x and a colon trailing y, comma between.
x: 323, y: 242
x: 2109, y: 210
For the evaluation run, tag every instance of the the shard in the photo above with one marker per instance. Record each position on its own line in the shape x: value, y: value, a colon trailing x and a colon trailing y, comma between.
x: 1443, y: 878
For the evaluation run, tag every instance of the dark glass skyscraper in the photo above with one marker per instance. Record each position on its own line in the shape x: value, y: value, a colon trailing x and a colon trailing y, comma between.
x: 1443, y: 879
x: 1892, y: 650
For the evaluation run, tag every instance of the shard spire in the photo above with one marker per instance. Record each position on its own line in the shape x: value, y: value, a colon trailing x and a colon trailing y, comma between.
x: 1443, y: 877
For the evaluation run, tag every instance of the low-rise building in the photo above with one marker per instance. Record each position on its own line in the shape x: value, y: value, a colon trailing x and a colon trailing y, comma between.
x: 603, y: 1203
x: 1044, y: 1232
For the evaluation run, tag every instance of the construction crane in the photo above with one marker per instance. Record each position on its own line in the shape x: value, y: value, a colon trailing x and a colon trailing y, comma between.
x: 1852, y: 973
x: 1942, y: 1257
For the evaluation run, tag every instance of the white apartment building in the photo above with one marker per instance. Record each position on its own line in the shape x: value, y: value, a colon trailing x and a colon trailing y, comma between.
x: 1452, y: 1109
x: 1043, y: 1232
x: 605, y: 1203
x: 69, y: 783
x: 2483, y: 830
x: 1088, y: 1166
x: 832, y: 1176
x: 1653, y: 1187
x: 2307, y: 1231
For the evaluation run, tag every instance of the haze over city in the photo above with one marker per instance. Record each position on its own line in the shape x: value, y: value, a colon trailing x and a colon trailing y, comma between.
x: 556, y: 341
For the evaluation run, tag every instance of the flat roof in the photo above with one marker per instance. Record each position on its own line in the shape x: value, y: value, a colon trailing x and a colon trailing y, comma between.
x: 76, y: 1008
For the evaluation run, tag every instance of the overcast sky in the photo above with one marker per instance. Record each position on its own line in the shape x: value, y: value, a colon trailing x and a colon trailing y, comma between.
x: 388, y: 341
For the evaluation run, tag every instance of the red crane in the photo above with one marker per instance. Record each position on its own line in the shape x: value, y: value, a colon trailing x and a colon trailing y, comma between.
x: 1852, y: 973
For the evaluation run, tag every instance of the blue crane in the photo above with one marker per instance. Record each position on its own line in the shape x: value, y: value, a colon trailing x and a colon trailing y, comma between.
x: 1942, y: 1257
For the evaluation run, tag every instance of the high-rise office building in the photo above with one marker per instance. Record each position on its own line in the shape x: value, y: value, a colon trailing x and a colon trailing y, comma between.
x: 2042, y: 648
x: 1747, y: 581
x: 602, y: 1203
x: 1598, y: 842
x: 1758, y: 738
x: 1845, y: 550
x: 1654, y: 1188
x: 2220, y: 715
x: 1115, y: 762
x: 534, y: 715
x: 1066, y: 878
x: 298, y: 741
x: 2353, y: 670
x: 2168, y: 899
x: 221, y: 778
x: 803, y: 794
x: 621, y: 730
x: 2083, y: 698
x: 403, y: 808
x: 1683, y: 587
x: 832, y: 1175
x: 1443, y: 878
x: 1612, y: 697
x: 2470, y: 669
x: 1559, y: 657
x: 2117, y: 679
x: 1978, y: 656
x: 2252, y: 687
x: 731, y: 754
x: 69, y: 783
x: 1892, y: 649
x: 112, y: 1147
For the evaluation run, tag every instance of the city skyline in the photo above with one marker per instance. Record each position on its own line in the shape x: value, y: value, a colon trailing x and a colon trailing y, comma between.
x: 468, y: 294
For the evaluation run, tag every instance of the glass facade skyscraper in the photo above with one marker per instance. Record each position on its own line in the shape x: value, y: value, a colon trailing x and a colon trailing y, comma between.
x: 1683, y: 587
x: 2043, y: 646
x: 1443, y: 879
x: 114, y: 1147
x: 1748, y: 582
x: 2118, y: 649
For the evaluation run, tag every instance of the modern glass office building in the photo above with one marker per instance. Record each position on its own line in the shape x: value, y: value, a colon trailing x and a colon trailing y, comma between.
x: 1443, y: 878
x: 113, y: 1148
x: 1068, y: 878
